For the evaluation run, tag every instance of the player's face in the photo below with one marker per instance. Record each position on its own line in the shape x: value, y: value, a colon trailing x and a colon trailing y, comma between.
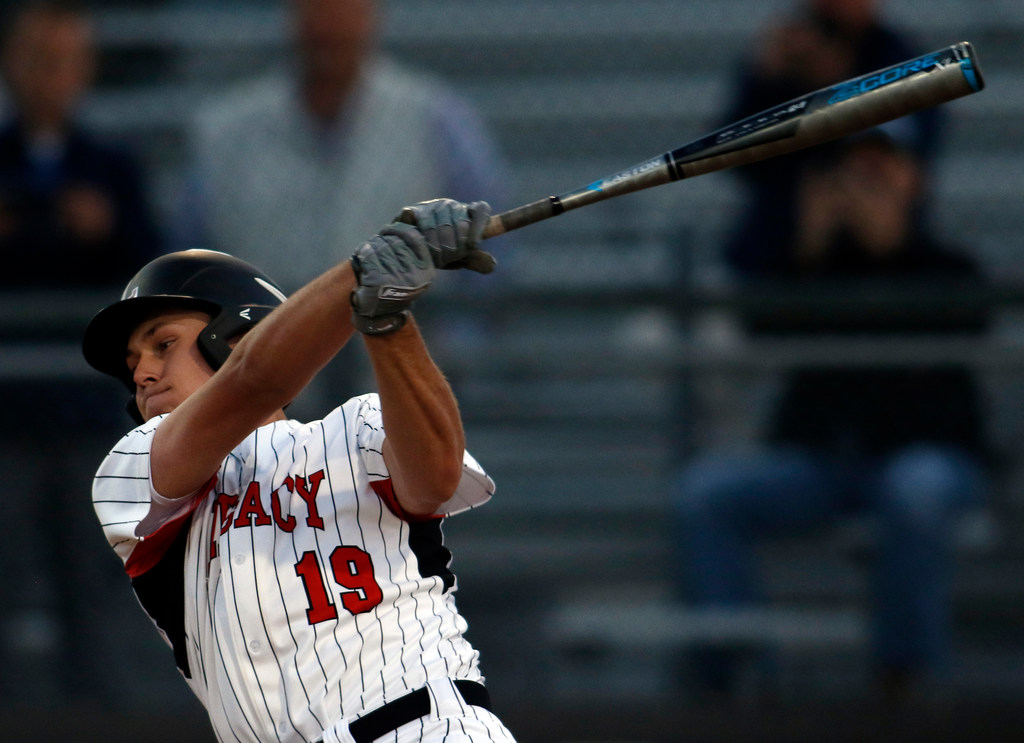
x: 165, y: 361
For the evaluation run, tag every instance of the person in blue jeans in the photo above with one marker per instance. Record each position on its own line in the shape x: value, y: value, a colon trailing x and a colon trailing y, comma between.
x: 903, y: 444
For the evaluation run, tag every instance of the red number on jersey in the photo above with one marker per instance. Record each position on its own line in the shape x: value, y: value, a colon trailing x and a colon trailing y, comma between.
x: 352, y: 568
x: 320, y: 607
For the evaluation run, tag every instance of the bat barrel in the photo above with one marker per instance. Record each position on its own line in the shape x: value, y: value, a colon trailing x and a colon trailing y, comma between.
x: 852, y: 106
x: 830, y: 113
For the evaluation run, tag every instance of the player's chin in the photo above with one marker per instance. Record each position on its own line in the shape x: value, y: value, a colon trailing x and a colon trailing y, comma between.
x: 152, y: 407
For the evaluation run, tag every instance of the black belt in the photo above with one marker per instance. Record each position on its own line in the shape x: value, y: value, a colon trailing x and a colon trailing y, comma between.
x: 412, y: 706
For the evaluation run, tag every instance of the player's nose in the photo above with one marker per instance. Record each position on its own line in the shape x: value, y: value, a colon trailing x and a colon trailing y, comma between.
x: 146, y: 371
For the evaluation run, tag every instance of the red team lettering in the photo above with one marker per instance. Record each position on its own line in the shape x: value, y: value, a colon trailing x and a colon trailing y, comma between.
x: 308, y: 494
x: 252, y: 506
x: 233, y: 511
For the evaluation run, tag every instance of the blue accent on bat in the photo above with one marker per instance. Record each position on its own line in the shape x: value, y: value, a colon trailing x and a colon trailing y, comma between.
x: 595, y: 186
x: 967, y: 67
x: 854, y: 88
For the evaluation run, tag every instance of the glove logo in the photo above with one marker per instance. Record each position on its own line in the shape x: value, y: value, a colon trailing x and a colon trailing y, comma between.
x: 396, y: 292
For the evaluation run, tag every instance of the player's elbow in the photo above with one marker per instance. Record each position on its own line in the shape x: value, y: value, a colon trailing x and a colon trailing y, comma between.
x: 448, y: 478
x: 424, y: 495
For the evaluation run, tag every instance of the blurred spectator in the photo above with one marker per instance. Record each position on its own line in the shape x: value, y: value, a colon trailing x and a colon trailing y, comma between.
x: 73, y: 216
x: 904, y: 445
x: 292, y: 171
x: 73, y: 210
x: 821, y: 43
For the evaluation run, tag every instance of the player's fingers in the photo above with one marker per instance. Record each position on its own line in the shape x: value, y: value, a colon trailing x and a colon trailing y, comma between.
x: 437, y: 219
x: 471, y: 228
x: 480, y: 261
x: 426, y: 218
x: 408, y: 245
x: 450, y: 228
x: 447, y: 215
x: 465, y: 230
x: 479, y: 216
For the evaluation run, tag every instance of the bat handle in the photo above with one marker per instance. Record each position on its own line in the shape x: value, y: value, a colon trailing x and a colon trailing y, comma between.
x: 494, y: 227
x: 521, y: 216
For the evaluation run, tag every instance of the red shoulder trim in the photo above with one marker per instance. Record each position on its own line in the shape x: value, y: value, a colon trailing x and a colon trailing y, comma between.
x: 149, y: 551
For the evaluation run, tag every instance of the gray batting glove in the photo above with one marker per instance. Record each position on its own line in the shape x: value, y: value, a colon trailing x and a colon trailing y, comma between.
x: 392, y: 269
x: 452, y: 230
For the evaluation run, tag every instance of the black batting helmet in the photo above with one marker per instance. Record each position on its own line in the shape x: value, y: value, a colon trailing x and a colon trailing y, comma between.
x: 234, y: 293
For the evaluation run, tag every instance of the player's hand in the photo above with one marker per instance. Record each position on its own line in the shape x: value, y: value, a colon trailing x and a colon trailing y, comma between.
x: 453, y: 230
x: 392, y: 269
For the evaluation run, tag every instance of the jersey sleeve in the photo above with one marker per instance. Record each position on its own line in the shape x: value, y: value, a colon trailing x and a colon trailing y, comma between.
x: 474, y: 489
x: 129, y: 509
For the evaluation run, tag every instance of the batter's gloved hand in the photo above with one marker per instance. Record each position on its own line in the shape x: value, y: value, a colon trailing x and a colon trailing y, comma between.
x: 453, y: 230
x: 392, y: 269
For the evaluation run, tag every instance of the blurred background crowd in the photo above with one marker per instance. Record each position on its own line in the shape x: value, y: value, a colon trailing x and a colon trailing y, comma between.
x: 757, y: 436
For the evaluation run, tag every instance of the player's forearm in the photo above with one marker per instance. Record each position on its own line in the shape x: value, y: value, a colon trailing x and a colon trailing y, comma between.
x: 282, y: 354
x: 425, y: 439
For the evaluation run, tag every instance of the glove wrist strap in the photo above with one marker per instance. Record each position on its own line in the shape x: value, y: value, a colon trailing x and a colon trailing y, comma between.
x: 380, y: 324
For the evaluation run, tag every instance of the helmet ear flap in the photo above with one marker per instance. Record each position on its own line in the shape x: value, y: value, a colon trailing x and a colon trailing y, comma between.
x: 214, y: 341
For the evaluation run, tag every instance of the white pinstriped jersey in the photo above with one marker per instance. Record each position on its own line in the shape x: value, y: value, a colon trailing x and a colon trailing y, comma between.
x: 289, y: 589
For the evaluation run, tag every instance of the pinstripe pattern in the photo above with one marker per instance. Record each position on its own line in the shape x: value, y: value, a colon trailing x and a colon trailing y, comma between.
x: 291, y: 512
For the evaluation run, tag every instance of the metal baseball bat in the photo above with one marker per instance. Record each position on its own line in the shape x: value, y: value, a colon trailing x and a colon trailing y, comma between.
x: 829, y: 113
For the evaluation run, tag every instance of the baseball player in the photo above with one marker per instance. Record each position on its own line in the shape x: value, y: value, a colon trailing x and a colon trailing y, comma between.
x: 297, y: 570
